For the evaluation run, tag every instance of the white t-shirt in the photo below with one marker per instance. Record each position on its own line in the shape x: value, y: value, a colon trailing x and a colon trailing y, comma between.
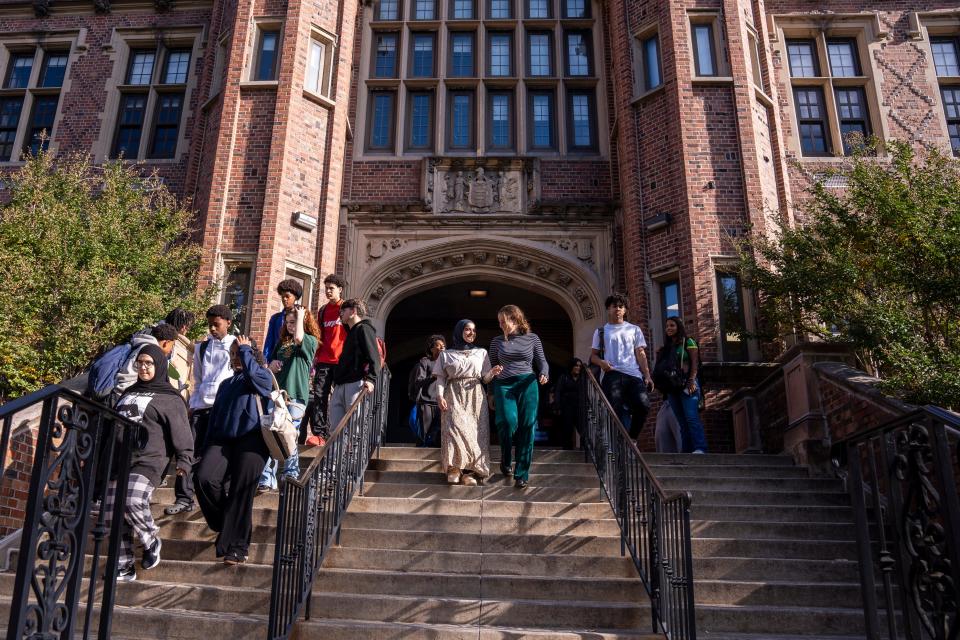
x: 619, y: 347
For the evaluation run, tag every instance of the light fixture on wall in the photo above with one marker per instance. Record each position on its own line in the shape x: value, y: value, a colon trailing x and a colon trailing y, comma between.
x: 657, y: 222
x: 304, y: 220
x: 478, y: 293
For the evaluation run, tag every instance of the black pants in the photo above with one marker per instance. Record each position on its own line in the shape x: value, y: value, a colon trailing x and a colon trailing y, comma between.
x: 226, y: 486
x: 430, y: 419
x: 183, y: 488
x: 628, y: 396
x: 317, y: 412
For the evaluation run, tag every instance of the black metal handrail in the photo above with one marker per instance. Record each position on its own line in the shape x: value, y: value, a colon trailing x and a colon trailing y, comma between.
x: 312, y: 506
x: 654, y: 523
x: 78, y: 441
x: 902, y: 477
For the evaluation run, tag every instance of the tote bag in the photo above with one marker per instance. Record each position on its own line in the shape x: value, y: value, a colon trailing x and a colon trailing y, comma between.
x: 277, y: 427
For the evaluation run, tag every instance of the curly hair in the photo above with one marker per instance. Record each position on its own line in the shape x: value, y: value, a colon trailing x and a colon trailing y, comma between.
x: 514, y: 314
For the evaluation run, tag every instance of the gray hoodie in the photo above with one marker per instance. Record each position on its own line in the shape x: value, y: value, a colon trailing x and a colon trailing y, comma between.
x: 127, y: 374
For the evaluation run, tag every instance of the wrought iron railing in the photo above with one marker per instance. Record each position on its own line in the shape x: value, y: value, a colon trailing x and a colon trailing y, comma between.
x: 79, y: 445
x: 903, y: 477
x: 312, y: 506
x: 654, y: 523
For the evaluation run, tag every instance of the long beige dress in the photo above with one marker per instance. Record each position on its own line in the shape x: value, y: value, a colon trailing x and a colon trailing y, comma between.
x: 465, y: 426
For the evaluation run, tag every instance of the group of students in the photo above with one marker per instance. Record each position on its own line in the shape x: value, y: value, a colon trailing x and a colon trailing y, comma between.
x: 201, y: 404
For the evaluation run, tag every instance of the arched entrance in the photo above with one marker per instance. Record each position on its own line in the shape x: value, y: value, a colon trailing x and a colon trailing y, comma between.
x: 437, y: 309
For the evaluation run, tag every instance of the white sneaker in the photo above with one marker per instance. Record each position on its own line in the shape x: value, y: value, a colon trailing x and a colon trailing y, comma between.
x: 468, y: 480
x: 453, y: 476
x: 698, y: 452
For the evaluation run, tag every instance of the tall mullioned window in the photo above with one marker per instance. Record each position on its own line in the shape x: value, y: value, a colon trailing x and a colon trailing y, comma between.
x: 31, y: 86
x: 483, y: 76
x: 946, y: 62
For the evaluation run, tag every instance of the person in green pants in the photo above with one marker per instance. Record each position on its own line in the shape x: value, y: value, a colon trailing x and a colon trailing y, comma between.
x: 518, y: 355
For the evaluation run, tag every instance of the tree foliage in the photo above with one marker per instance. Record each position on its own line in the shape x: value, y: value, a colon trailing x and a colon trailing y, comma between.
x: 876, y: 265
x: 88, y: 255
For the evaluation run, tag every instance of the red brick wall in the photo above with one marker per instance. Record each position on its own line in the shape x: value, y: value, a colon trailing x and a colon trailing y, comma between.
x: 15, y: 484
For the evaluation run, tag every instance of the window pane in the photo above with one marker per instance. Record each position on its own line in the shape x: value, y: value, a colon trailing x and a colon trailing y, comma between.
x: 463, y: 9
x: 651, y: 55
x: 166, y: 125
x: 18, y: 75
x: 178, y: 64
x: 267, y: 65
x: 389, y: 10
x: 813, y: 138
x: 951, y: 102
x: 850, y: 104
x: 670, y: 296
x: 141, y: 67
x: 460, y: 121
x: 578, y: 60
x: 954, y: 130
x: 732, y: 324
x: 424, y: 10
x: 843, y: 59
x: 580, y: 113
x: 236, y: 296
x: 808, y: 104
x: 314, y: 66
x: 500, y: 55
x: 539, y: 54
x: 463, y: 55
x: 420, y: 120
x: 500, y: 121
x: 386, y: 63
x: 945, y: 57
x: 54, y: 70
x: 499, y: 9
x: 803, y: 64
x: 44, y: 113
x: 703, y: 43
x: 130, y: 125
x: 423, y: 56
x: 9, y: 120
x: 382, y: 120
x: 542, y: 132
x: 538, y: 8
x: 576, y: 8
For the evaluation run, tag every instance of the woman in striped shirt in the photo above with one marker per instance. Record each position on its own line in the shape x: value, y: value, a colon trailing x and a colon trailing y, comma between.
x: 520, y: 354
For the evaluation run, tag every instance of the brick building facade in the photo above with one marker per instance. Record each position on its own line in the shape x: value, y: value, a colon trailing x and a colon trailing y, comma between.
x: 562, y: 147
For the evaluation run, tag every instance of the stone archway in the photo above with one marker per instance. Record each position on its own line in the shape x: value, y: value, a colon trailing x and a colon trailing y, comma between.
x: 568, y: 261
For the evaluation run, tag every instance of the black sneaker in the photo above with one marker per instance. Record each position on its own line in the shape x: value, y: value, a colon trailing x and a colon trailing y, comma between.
x: 178, y: 507
x: 507, y: 473
x: 234, y: 558
x: 151, y: 556
x: 126, y: 574
x: 520, y: 484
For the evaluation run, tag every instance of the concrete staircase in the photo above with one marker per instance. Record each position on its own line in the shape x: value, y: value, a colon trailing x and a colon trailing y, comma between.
x: 774, y: 558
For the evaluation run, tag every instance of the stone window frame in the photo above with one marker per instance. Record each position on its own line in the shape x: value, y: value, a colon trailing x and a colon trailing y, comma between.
x: 927, y: 27
x: 261, y: 27
x: 475, y: 40
x: 377, y: 9
x: 511, y: 147
x: 658, y: 304
x: 554, y: 120
x: 588, y: 41
x: 591, y: 95
x: 328, y: 41
x: 414, y: 34
x: 451, y: 11
x: 551, y: 51
x: 436, y: 11
x: 511, y: 36
x: 397, y: 53
x: 718, y: 46
x: 122, y: 43
x: 218, y: 79
x: 729, y: 265
x: 641, y: 80
x: 488, y: 10
x: 408, y: 122
x: 306, y: 276
x: 471, y: 145
x: 551, y: 10
x: 865, y: 30
x: 390, y: 147
x: 71, y: 43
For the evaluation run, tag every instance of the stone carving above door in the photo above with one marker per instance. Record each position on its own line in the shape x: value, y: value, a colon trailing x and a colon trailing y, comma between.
x: 481, y: 185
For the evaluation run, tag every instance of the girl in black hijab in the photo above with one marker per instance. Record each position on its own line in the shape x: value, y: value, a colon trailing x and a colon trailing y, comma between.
x: 156, y: 405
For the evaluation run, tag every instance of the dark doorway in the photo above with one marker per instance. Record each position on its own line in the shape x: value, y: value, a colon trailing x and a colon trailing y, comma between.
x: 437, y: 310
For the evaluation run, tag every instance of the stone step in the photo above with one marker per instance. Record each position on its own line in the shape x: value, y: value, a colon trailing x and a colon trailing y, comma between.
x: 508, y: 564
x: 433, y: 453
x: 770, y: 513
x: 494, y: 587
x: 491, y: 525
x: 769, y: 593
x: 759, y: 529
x: 711, y: 459
x: 564, y: 468
x: 775, y: 569
x: 473, y: 541
x: 745, y: 619
x: 712, y: 497
x: 489, y: 508
x: 537, y: 480
x: 774, y: 548
x: 336, y: 629
x: 706, y: 471
x: 750, y: 484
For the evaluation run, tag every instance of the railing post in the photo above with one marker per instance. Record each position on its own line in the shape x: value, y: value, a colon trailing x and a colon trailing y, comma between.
x: 864, y: 554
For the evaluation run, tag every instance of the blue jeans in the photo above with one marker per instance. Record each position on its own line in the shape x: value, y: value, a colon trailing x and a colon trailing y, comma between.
x: 291, y: 468
x: 687, y: 410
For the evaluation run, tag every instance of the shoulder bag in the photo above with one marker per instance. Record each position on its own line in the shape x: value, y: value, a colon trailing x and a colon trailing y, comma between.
x: 276, y: 426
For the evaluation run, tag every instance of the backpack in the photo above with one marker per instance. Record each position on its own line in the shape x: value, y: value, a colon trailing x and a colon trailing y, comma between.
x: 102, y: 377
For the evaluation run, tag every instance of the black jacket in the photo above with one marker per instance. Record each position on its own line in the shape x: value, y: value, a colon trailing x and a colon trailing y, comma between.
x: 163, y: 417
x: 360, y: 358
x: 425, y: 381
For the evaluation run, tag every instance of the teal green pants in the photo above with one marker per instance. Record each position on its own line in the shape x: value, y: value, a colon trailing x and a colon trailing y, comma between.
x: 517, y: 399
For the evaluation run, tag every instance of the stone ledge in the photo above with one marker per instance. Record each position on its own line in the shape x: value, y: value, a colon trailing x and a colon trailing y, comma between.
x: 861, y: 384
